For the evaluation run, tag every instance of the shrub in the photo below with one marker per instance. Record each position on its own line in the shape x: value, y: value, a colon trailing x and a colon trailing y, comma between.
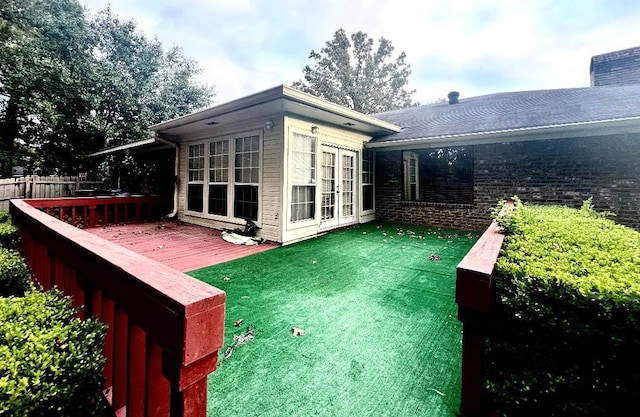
x: 8, y: 236
x: 50, y: 362
x: 564, y: 335
x: 5, y: 217
x: 14, y: 274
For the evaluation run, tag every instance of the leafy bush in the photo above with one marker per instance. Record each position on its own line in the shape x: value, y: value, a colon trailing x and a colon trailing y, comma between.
x: 8, y: 232
x: 8, y: 236
x: 564, y: 334
x: 14, y: 274
x: 50, y: 362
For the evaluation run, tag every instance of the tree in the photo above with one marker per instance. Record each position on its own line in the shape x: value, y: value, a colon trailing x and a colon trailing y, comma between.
x: 71, y: 84
x: 43, y: 94
x: 141, y: 85
x: 352, y: 74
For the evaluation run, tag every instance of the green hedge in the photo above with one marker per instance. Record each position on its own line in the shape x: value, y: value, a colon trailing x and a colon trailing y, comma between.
x: 15, y: 278
x: 8, y: 232
x: 5, y: 217
x: 50, y: 362
x: 564, y: 333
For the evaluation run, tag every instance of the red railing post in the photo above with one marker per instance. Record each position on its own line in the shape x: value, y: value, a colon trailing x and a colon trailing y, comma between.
x: 92, y: 217
x: 164, y: 328
x: 474, y: 278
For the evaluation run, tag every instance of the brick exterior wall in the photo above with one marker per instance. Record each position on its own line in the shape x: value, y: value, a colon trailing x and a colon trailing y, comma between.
x: 560, y: 171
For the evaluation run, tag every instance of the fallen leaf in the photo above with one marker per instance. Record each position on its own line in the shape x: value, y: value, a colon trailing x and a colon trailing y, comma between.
x: 434, y: 258
x: 297, y: 332
x: 226, y: 279
x: 238, y: 322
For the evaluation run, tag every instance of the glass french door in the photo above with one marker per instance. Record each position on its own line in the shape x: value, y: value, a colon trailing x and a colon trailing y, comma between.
x: 338, y: 200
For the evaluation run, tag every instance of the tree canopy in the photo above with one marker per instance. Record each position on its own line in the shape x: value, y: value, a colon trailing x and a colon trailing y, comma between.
x: 72, y: 83
x: 350, y: 72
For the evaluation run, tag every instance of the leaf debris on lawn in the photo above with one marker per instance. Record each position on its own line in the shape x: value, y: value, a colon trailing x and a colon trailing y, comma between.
x: 435, y: 257
x: 238, y: 322
x: 297, y: 332
x: 239, y: 339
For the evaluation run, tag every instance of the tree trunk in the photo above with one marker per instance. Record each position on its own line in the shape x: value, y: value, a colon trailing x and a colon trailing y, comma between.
x: 9, y: 135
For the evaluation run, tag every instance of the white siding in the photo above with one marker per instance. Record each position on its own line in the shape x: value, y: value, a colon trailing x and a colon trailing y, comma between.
x: 270, y: 199
x: 328, y: 135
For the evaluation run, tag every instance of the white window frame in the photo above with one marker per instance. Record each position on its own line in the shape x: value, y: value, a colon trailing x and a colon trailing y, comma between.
x: 256, y: 163
x: 408, y: 174
x: 368, y: 167
x: 217, y: 175
x: 241, y: 171
x: 303, y: 176
x: 195, y: 171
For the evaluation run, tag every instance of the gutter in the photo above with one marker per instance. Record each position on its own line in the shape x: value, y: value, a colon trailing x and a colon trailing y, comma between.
x: 558, y: 131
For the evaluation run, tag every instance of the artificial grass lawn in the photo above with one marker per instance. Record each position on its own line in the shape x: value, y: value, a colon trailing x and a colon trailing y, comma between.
x: 381, y: 334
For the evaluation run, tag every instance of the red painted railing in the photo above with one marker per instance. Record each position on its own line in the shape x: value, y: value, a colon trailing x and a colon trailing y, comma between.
x: 164, y: 328
x: 474, y: 278
x: 99, y: 211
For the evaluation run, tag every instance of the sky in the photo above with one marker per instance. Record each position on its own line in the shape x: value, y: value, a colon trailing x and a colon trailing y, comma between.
x: 475, y: 47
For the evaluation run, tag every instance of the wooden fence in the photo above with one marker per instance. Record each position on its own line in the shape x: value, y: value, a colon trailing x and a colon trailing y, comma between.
x: 41, y: 187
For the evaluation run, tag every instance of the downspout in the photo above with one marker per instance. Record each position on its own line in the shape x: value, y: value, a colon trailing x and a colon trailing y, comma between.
x: 176, y: 173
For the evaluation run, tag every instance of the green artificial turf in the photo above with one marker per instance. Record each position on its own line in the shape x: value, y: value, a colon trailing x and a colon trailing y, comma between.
x: 381, y: 337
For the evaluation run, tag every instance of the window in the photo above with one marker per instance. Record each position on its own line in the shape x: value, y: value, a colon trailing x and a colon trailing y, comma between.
x: 447, y: 175
x: 410, y: 175
x: 224, y: 177
x: 195, y: 186
x: 247, y: 177
x: 367, y: 180
x: 303, y: 177
x: 218, y: 176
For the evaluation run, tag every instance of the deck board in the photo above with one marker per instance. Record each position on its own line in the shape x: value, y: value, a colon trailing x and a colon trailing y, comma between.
x: 181, y: 246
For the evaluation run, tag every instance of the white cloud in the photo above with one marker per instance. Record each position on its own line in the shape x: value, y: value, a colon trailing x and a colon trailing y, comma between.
x: 474, y: 46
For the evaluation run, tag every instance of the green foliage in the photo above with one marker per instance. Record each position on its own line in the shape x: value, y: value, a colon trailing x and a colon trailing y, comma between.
x: 5, y: 217
x: 71, y: 84
x: 580, y: 248
x: 50, y: 362
x: 15, y: 277
x: 8, y: 232
x: 564, y: 334
x: 349, y: 72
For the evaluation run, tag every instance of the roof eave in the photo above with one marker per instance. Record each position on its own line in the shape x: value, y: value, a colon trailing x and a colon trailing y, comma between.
x: 313, y: 101
x: 275, y: 93
x: 579, y: 129
x: 151, y: 143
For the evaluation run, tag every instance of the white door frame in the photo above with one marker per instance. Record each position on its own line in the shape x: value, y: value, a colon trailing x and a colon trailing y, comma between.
x: 339, y: 187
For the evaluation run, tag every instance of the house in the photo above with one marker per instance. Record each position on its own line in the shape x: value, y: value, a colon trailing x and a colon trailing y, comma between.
x: 291, y: 163
x: 452, y: 162
x: 298, y: 166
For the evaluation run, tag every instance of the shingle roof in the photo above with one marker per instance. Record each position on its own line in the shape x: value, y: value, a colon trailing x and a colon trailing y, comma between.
x: 616, y: 68
x: 514, y: 111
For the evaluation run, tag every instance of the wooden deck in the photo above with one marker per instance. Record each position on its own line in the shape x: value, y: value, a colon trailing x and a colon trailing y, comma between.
x: 181, y: 246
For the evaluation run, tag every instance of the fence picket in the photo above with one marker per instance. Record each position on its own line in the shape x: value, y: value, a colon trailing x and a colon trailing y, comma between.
x: 34, y: 186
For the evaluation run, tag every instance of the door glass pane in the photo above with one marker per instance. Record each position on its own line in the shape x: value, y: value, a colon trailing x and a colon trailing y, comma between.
x: 328, y: 185
x: 347, y: 185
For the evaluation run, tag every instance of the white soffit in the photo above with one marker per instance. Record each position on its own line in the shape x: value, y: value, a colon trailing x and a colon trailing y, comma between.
x: 278, y: 100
